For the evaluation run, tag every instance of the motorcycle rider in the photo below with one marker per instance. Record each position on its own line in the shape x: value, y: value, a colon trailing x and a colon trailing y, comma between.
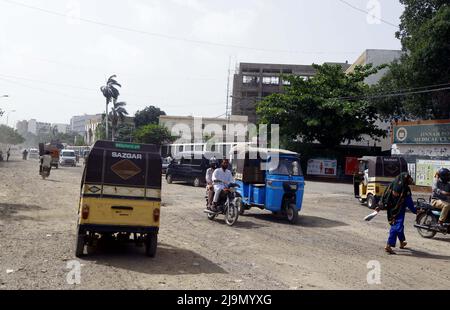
x: 440, y: 198
x: 209, y: 180
x: 46, y: 162
x: 221, y: 177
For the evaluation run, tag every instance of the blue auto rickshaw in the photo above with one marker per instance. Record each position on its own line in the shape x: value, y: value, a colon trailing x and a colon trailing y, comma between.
x: 269, y: 179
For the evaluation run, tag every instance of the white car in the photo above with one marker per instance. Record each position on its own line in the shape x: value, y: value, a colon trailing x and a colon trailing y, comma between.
x: 33, y: 154
x: 68, y: 158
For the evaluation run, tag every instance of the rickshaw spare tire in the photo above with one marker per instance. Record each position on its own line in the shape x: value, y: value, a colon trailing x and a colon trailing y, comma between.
x: 151, y: 243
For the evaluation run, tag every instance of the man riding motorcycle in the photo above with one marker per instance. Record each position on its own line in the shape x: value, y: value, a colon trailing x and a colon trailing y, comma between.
x: 221, y: 178
x: 209, y: 180
x: 440, y: 198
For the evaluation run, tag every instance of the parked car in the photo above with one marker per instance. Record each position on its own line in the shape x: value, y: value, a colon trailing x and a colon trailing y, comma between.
x: 190, y: 167
x: 68, y: 158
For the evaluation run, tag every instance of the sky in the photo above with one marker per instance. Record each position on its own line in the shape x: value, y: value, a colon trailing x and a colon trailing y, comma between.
x: 173, y: 54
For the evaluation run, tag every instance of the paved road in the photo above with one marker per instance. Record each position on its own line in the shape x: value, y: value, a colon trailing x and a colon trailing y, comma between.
x: 328, y: 249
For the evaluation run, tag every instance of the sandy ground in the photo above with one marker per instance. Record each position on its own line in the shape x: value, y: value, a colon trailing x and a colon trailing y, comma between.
x: 329, y: 248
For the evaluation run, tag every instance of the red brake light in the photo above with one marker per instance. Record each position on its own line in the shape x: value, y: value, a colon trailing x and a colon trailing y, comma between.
x: 156, y: 215
x: 85, y: 212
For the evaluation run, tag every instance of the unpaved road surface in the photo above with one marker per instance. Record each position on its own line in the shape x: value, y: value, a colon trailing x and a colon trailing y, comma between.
x: 329, y: 248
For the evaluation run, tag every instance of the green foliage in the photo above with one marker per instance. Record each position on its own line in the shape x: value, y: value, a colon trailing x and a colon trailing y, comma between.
x: 316, y: 109
x: 117, y: 117
x: 425, y: 34
x: 10, y: 136
x: 150, y: 115
x: 153, y: 134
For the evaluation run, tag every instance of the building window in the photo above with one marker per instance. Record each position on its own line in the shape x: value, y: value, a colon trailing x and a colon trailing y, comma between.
x: 271, y: 80
x: 287, y: 71
x: 248, y: 79
x: 249, y: 94
x: 286, y: 82
x: 271, y: 71
x: 250, y: 70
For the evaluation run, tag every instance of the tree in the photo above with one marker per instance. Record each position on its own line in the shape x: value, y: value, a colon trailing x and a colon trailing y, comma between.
x: 111, y: 93
x: 117, y: 115
x: 425, y: 35
x: 329, y: 107
x: 153, y: 134
x: 10, y: 136
x: 150, y: 115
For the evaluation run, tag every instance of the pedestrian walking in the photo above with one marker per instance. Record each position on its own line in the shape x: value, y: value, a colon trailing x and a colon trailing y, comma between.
x: 396, y: 199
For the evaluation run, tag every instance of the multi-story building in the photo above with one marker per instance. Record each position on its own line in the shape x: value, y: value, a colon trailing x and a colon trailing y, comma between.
x: 376, y: 57
x: 61, y: 128
x: 78, y: 123
x: 22, y: 127
x: 254, y: 81
x: 37, y: 128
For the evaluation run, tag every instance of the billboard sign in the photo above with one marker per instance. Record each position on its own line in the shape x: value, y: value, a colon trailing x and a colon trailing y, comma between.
x: 438, y: 133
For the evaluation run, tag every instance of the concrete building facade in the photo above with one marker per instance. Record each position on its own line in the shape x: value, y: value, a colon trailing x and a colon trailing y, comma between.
x: 78, y: 123
x: 255, y: 81
x: 376, y: 57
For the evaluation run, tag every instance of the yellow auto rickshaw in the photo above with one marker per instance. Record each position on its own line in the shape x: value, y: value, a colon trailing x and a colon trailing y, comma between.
x: 120, y: 195
x: 375, y: 174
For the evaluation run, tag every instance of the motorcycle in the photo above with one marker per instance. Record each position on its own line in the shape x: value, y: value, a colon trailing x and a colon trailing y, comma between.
x: 229, y: 205
x: 427, y: 220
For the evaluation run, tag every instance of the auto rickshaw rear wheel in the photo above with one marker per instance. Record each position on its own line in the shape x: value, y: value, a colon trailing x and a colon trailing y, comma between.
x: 169, y: 179
x: 79, y: 250
x: 292, y: 213
x: 371, y: 201
x: 151, y: 243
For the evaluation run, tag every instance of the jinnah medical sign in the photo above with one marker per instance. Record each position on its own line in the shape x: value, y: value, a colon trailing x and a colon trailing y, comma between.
x: 422, y: 134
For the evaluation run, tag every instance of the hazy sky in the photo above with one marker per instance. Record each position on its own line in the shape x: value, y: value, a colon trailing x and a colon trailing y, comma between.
x: 52, y: 65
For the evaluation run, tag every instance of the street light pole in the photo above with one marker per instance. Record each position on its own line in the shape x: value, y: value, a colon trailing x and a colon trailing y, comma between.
x: 7, y: 116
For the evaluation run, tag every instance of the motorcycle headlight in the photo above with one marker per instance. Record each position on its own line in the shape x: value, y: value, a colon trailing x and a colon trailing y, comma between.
x: 293, y: 187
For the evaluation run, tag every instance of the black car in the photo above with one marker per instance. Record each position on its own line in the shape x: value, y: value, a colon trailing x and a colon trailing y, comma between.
x: 190, y: 167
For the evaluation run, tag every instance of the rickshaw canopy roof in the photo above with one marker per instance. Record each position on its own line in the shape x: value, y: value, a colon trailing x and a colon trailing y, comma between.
x: 124, y: 164
x: 384, y: 166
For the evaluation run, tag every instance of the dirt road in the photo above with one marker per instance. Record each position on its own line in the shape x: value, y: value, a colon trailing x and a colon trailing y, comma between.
x: 328, y: 249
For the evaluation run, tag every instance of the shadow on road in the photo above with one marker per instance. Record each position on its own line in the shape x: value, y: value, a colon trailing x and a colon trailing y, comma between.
x: 421, y: 254
x: 240, y: 224
x: 169, y: 260
x: 303, y: 220
x: 11, y: 212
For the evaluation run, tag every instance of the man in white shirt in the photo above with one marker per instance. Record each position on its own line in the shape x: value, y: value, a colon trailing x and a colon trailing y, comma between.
x: 221, y: 177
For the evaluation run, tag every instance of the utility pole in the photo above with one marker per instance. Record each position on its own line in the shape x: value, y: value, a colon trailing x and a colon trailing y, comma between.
x: 227, y: 112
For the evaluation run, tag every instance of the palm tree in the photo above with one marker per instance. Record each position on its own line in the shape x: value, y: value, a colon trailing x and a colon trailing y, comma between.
x: 117, y: 114
x: 111, y: 93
